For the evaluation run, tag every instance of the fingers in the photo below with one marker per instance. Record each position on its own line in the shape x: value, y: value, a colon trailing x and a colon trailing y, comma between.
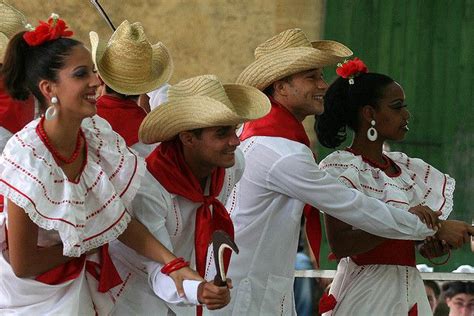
x: 432, y: 220
x: 214, y: 297
x: 179, y: 287
x: 426, y: 215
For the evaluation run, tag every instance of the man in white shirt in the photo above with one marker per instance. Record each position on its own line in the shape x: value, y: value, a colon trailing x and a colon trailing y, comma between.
x: 281, y: 176
x: 181, y: 201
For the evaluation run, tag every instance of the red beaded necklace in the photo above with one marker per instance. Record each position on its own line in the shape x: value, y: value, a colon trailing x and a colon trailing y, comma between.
x: 57, y: 156
x: 375, y: 164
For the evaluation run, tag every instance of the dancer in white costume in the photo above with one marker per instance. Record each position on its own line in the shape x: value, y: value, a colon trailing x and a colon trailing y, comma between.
x: 281, y: 176
x: 376, y: 276
x: 191, y: 172
x: 68, y: 180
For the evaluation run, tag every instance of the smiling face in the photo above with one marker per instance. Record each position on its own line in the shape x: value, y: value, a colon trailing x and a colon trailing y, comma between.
x: 304, y: 93
x: 76, y: 85
x: 391, y: 115
x: 212, y: 147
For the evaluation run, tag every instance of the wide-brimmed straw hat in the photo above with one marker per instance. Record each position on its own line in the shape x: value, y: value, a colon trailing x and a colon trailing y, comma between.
x: 11, y: 20
x: 201, y: 102
x: 288, y: 53
x: 128, y: 63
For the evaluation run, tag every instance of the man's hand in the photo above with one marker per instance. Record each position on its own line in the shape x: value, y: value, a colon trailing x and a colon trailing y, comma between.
x: 213, y: 296
x: 426, y: 215
x: 182, y: 274
x: 455, y: 233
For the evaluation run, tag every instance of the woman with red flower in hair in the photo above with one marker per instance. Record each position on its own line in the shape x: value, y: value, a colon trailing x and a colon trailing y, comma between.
x: 68, y: 180
x: 377, y: 276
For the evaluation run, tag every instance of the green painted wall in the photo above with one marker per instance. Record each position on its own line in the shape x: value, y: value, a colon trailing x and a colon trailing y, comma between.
x: 428, y: 47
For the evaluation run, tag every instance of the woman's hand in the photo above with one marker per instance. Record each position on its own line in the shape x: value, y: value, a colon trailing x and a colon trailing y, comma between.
x: 182, y: 274
x: 426, y: 215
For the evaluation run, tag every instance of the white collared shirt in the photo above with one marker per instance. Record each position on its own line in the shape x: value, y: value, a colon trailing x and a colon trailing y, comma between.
x: 171, y: 219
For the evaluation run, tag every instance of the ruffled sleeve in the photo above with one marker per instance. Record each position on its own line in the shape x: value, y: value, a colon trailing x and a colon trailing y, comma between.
x: 417, y: 183
x: 87, y: 213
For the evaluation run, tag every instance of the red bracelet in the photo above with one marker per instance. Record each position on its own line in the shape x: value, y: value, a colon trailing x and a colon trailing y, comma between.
x: 174, y: 265
x: 169, y: 265
x: 441, y: 263
x: 178, y: 266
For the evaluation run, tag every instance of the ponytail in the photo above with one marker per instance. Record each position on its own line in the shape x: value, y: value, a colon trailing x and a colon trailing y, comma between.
x: 14, y: 67
x: 25, y: 66
x: 342, y: 104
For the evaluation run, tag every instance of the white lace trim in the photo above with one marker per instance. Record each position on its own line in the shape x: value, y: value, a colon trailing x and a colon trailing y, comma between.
x: 418, y: 183
x: 86, y: 214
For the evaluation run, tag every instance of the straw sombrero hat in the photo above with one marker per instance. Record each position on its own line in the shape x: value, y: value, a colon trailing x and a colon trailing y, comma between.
x: 288, y: 53
x: 3, y: 45
x: 128, y: 63
x: 201, y: 102
x: 11, y: 20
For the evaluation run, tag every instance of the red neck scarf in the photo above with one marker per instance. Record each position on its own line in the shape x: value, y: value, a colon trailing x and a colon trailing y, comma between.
x: 125, y: 116
x: 167, y: 164
x: 281, y: 123
x: 15, y: 114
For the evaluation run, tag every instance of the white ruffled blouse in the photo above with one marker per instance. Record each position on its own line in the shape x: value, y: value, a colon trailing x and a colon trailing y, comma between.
x: 417, y: 183
x: 84, y: 214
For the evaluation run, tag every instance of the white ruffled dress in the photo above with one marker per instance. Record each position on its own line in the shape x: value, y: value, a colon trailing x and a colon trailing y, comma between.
x: 82, y: 215
x: 386, y: 289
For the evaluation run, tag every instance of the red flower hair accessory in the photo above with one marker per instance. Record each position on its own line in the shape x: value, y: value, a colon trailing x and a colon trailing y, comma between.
x: 351, y: 68
x: 47, y: 31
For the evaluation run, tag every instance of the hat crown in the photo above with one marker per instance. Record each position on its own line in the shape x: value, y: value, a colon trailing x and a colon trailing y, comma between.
x: 205, y: 85
x: 129, y: 46
x: 11, y: 20
x: 286, y: 39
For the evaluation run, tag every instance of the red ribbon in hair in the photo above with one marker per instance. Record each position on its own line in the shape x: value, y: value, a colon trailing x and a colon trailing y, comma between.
x: 47, y: 31
x: 281, y: 123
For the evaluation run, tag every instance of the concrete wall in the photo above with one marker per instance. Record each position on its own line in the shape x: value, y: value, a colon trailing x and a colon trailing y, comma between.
x: 205, y: 36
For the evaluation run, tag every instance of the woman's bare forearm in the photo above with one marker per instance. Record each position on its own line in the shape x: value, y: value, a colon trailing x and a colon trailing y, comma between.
x: 137, y: 237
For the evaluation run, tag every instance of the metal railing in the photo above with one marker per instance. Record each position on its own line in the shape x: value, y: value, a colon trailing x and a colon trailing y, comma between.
x: 438, y: 276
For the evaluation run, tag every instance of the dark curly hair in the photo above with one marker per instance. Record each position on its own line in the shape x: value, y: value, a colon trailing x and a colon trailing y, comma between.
x: 342, y: 103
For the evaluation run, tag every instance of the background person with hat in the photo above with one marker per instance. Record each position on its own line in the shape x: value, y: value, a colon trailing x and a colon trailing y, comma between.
x: 281, y: 176
x: 14, y: 114
x: 191, y: 172
x: 129, y: 66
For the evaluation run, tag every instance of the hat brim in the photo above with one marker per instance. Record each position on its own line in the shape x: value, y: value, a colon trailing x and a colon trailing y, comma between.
x: 12, y: 21
x: 285, y: 62
x: 160, y: 72
x: 188, y: 113
x: 3, y: 46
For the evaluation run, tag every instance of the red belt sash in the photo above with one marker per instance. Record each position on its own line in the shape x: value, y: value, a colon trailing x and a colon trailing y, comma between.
x: 104, y: 272
x: 390, y: 252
